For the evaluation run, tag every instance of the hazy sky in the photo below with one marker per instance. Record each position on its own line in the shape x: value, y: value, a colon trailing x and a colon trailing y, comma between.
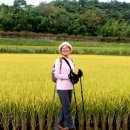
x: 36, y: 2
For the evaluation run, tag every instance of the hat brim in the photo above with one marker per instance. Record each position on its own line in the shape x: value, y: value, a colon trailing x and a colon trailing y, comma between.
x: 65, y: 43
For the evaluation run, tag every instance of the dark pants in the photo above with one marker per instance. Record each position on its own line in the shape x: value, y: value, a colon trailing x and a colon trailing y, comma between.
x: 65, y: 112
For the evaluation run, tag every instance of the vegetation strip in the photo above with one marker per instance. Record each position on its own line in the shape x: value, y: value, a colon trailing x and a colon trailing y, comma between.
x: 40, y: 46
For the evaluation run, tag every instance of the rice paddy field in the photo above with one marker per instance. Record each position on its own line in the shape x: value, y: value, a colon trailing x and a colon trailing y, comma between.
x: 26, y: 92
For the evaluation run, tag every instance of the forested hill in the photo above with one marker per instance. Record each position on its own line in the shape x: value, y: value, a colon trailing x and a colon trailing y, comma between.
x: 85, y: 17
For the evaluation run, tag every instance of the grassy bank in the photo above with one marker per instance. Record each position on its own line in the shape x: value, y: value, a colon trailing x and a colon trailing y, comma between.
x: 8, y: 45
x: 53, y: 50
x: 42, y: 42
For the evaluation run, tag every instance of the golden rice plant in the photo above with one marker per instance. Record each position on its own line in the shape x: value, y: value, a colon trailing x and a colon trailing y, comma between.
x: 26, y: 86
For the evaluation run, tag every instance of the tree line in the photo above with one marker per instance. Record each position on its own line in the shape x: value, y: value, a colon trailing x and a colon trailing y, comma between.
x: 83, y: 17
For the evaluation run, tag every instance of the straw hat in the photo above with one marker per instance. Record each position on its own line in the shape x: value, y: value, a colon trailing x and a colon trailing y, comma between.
x: 65, y: 43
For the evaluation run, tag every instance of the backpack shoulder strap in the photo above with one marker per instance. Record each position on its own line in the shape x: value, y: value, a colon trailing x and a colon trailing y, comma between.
x: 67, y: 62
x: 60, y: 63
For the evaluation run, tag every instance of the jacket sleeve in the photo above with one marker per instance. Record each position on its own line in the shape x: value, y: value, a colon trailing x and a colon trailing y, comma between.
x: 58, y: 73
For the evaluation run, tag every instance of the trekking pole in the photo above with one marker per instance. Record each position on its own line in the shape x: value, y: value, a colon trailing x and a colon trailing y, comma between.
x: 84, y: 124
x: 53, y: 101
x: 76, y: 114
x: 80, y: 73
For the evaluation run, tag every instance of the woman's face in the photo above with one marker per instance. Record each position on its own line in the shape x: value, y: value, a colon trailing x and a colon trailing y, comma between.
x: 65, y: 50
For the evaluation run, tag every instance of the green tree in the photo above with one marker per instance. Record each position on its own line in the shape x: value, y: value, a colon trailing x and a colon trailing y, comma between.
x: 115, y: 28
x: 2, y: 10
x: 7, y: 23
x: 82, y: 4
x: 47, y: 10
x: 18, y: 4
x: 91, y: 20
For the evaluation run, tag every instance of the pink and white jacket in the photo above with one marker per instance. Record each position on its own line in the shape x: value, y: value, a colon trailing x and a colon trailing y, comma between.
x: 63, y: 81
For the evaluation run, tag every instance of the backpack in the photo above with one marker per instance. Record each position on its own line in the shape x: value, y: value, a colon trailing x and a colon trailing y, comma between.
x: 53, y: 71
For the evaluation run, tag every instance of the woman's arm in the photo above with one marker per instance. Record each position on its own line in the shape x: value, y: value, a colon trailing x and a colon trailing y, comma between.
x: 58, y: 73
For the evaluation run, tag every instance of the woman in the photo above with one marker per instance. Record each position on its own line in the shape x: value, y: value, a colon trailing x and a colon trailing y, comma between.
x: 64, y: 86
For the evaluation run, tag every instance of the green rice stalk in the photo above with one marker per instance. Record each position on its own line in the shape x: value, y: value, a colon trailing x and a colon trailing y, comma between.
x: 5, y: 124
x: 95, y: 122
x: 110, y: 121
x: 41, y: 124
x: 33, y: 123
x: 23, y: 124
x: 14, y: 124
x: 88, y: 121
x: 103, y: 121
x: 118, y: 121
x: 81, y: 122
x: 125, y: 122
